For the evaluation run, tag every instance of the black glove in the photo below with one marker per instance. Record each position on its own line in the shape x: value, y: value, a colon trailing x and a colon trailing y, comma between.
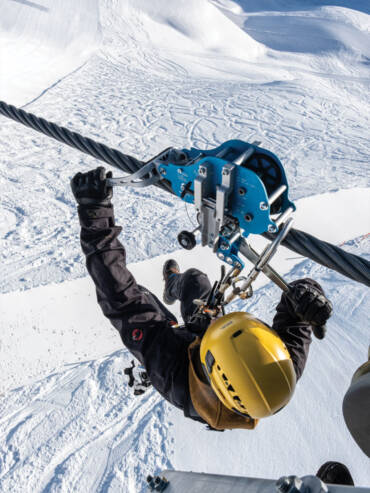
x: 310, y: 304
x: 91, y: 188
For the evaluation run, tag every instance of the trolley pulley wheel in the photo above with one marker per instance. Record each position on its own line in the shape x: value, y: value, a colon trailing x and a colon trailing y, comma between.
x: 187, y: 240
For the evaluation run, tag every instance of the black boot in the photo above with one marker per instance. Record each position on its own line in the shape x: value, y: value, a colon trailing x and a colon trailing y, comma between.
x: 170, y: 267
x: 335, y: 473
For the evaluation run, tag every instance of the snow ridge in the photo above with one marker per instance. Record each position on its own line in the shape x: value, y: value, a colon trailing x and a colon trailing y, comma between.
x: 41, y: 44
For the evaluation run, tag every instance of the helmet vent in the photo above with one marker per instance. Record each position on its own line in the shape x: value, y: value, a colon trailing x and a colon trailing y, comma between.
x: 238, y: 400
x: 230, y: 388
x: 206, y: 373
x: 237, y: 333
x: 210, y: 361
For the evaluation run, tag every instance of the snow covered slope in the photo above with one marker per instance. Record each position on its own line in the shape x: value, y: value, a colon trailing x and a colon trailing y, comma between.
x: 195, y: 28
x: 305, y: 27
x: 42, y: 42
x: 140, y: 96
x: 142, y: 75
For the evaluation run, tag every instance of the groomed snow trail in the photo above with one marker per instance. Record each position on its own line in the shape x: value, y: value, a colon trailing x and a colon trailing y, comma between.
x: 311, y: 109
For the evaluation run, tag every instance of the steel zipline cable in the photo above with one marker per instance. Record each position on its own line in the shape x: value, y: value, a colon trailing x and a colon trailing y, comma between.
x: 331, y: 256
x: 100, y: 151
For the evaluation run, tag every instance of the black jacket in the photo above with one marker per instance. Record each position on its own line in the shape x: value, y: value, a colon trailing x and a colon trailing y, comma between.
x: 145, y: 324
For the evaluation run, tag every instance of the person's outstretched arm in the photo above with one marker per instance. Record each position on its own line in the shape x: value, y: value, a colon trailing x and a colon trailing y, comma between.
x: 298, y: 312
x: 141, y: 319
x: 122, y: 300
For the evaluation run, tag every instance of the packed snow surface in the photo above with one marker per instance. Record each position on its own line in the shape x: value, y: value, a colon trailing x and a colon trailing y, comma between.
x: 140, y: 95
x: 42, y: 42
x: 142, y: 75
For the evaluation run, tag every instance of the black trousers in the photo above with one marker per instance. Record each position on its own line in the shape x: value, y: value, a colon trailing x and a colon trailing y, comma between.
x: 187, y: 287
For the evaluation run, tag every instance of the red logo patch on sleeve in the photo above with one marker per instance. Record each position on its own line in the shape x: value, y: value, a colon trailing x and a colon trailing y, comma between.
x: 137, y: 334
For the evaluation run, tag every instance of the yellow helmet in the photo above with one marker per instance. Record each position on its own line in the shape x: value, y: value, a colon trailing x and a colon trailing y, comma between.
x: 248, y: 365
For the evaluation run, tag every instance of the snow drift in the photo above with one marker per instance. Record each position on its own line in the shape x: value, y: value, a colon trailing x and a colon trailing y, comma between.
x: 41, y: 42
x: 194, y: 27
x: 329, y: 29
x: 180, y: 38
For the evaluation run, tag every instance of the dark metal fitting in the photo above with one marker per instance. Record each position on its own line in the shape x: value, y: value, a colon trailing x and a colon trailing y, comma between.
x: 289, y: 484
x: 157, y: 483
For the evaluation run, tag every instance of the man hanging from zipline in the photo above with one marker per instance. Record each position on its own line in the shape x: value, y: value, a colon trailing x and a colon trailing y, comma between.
x: 228, y: 372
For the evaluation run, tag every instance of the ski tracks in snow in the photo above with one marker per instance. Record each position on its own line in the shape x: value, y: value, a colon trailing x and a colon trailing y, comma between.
x: 319, y: 149
x: 130, y: 96
x: 82, y: 430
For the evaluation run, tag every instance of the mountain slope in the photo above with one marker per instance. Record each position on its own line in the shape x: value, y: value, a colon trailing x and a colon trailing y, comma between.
x: 136, y: 96
x: 40, y: 43
x: 142, y: 75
